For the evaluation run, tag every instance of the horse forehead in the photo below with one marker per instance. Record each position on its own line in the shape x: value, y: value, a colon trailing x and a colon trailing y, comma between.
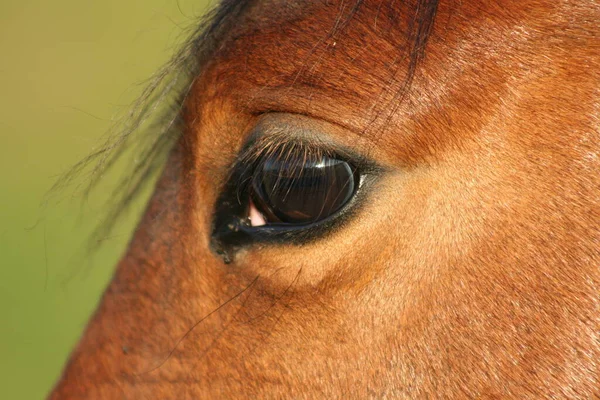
x: 314, y: 57
x: 348, y: 60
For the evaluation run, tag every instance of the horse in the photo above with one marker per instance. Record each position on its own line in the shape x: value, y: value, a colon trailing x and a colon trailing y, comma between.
x: 366, y: 199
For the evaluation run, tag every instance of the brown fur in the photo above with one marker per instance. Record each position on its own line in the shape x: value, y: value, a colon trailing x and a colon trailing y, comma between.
x: 471, y: 272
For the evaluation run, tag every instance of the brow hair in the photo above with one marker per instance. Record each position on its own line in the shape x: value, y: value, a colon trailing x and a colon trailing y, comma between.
x: 154, y: 124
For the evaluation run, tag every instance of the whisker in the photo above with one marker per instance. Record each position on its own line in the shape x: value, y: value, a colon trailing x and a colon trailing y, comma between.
x: 189, y: 331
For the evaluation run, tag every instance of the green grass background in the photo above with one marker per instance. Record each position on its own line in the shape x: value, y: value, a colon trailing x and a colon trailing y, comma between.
x: 68, y: 69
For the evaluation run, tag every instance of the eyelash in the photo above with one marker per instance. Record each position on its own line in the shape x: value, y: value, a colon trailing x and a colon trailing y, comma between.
x: 255, y: 156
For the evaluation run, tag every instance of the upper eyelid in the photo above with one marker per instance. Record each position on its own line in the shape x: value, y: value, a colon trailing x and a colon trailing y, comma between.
x: 261, y: 143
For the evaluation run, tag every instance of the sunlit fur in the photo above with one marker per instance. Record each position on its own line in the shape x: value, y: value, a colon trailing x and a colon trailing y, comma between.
x: 471, y: 271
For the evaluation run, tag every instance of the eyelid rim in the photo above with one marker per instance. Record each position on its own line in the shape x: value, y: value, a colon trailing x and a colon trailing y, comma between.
x: 234, y: 233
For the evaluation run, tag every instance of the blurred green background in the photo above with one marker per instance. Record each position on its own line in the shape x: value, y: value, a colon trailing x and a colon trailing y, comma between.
x: 69, y: 69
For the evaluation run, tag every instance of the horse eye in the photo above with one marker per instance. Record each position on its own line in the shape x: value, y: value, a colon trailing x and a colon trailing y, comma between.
x: 299, y: 189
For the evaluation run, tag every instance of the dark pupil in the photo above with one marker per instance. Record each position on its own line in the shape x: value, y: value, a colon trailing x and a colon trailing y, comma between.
x: 297, y: 190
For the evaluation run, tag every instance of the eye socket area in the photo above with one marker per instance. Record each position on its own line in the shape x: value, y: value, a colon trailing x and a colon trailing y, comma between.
x: 297, y: 189
x: 290, y: 191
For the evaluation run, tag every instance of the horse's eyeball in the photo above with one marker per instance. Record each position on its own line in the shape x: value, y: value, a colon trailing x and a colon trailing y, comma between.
x: 299, y: 189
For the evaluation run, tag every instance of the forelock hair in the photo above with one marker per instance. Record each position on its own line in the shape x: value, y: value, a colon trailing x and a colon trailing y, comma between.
x: 154, y: 123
